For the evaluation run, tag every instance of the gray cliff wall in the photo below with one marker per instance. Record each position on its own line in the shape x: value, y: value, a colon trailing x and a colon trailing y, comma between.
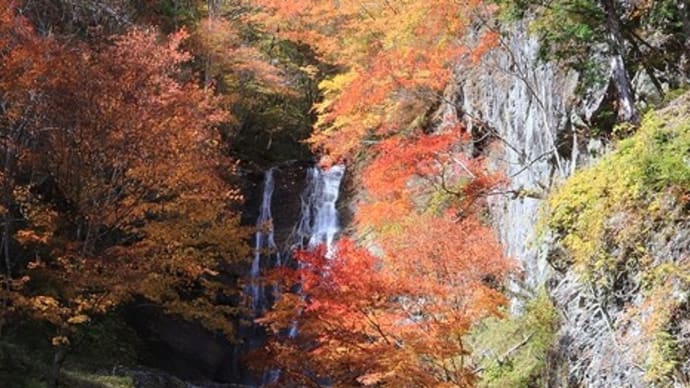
x: 531, y: 120
x: 534, y: 113
x: 524, y: 106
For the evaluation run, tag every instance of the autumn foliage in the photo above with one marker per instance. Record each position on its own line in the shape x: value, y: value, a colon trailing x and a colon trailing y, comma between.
x: 397, y: 57
x: 115, y: 182
x: 397, y: 317
x: 363, y: 322
x: 114, y: 179
x: 393, y: 308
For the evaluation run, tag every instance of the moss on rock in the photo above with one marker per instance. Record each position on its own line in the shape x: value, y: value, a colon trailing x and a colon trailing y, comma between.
x: 615, y: 219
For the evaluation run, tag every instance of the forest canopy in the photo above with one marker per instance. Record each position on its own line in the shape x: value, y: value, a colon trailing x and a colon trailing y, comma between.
x: 132, y: 134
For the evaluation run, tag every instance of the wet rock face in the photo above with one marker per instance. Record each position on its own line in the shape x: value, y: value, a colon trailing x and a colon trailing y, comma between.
x: 151, y: 378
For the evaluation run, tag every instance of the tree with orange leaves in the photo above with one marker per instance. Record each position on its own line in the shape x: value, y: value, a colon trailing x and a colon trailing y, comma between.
x: 397, y: 320
x: 396, y: 57
x: 22, y: 66
x: 114, y: 181
x: 397, y: 317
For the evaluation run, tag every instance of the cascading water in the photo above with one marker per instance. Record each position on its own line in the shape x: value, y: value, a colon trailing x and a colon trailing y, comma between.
x: 317, y: 224
x: 264, y: 244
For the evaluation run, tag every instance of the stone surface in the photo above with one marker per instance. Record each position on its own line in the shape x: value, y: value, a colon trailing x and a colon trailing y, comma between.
x: 537, y: 122
x: 183, y: 349
x: 289, y: 183
x: 524, y: 106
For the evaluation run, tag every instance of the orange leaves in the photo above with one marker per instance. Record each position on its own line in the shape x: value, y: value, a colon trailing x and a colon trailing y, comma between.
x: 118, y: 177
x: 423, y: 197
x: 78, y: 319
x: 399, y: 158
x: 228, y: 57
x: 488, y: 41
x: 60, y: 340
x: 399, y: 318
x: 389, y: 320
x: 22, y: 65
x: 405, y: 168
x: 393, y: 51
x: 342, y: 315
x: 44, y: 303
x: 347, y: 272
x: 122, y: 109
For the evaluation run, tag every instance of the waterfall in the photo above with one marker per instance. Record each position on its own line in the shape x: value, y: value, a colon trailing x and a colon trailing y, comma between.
x: 318, y: 222
x: 264, y: 244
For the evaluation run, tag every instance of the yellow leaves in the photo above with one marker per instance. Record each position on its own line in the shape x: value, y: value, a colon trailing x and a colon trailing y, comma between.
x: 35, y: 264
x: 60, y: 341
x: 234, y: 195
x: 50, y: 309
x: 389, y: 50
x: 41, y: 217
x: 241, y: 65
x: 374, y: 378
x: 78, y: 319
x: 331, y: 86
x: 26, y: 236
x: 124, y: 175
x: 210, y: 272
x: 310, y: 70
x: 44, y: 303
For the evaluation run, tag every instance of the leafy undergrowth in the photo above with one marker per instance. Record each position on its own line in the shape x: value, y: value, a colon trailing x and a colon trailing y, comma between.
x: 617, y: 220
x: 640, y: 182
x: 24, y: 367
x: 512, y: 352
x: 25, y: 356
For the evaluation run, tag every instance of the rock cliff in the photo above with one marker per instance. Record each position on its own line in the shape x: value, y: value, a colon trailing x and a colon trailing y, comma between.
x: 536, y: 116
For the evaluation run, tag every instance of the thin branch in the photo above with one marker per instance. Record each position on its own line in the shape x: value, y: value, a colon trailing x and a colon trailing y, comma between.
x: 503, y: 357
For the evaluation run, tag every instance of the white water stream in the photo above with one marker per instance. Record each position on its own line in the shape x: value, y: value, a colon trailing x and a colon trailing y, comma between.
x: 264, y: 245
x: 318, y: 224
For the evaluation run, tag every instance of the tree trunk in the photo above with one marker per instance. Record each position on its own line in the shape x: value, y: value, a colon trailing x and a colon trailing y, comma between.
x: 684, y: 10
x: 208, y: 77
x: 7, y: 184
x: 58, y: 360
x: 627, y: 112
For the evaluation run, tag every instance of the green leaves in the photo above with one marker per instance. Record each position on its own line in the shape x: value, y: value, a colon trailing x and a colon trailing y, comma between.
x: 512, y: 351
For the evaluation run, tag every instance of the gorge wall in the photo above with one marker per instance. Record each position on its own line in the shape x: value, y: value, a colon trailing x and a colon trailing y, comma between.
x: 539, y: 116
